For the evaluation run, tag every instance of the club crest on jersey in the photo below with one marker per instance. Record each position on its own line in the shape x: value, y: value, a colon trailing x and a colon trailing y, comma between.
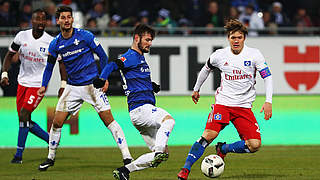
x: 247, y: 63
x: 76, y: 42
x: 217, y: 116
x: 42, y: 49
x: 123, y: 59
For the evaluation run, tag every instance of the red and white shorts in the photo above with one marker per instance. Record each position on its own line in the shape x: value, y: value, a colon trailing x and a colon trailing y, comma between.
x: 27, y: 98
x: 242, y: 119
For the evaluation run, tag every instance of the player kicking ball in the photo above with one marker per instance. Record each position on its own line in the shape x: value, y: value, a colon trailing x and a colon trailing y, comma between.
x: 32, y: 46
x: 74, y: 48
x: 238, y: 64
x: 153, y: 123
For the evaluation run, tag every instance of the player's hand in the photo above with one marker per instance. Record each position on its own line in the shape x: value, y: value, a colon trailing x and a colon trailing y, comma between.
x: 99, y: 83
x: 195, y: 96
x: 267, y: 108
x: 106, y: 86
x: 41, y: 91
x: 60, y: 92
x: 155, y: 87
x: 5, y: 81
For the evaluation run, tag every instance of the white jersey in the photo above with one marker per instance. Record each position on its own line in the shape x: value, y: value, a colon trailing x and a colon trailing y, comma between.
x: 238, y: 74
x: 33, y: 54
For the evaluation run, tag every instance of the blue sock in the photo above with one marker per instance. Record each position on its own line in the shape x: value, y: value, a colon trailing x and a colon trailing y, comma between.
x: 195, y: 153
x: 237, y: 147
x: 38, y: 131
x: 22, y: 137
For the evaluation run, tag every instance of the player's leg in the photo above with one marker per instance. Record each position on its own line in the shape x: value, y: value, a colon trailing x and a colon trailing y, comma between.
x: 69, y: 103
x: 218, y: 118
x: 248, y: 130
x: 100, y: 102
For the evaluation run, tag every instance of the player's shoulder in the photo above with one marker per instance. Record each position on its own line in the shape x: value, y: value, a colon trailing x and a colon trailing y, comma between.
x: 24, y: 33
x: 130, y: 54
x: 220, y: 52
x: 252, y: 50
x: 47, y: 36
x: 82, y: 32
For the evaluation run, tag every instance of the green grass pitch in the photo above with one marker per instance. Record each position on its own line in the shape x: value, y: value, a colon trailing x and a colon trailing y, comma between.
x: 271, y: 162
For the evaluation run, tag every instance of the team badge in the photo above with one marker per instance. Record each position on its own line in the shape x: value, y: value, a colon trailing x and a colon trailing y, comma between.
x: 76, y: 42
x: 217, y: 116
x: 247, y: 63
x: 123, y: 59
x: 42, y: 49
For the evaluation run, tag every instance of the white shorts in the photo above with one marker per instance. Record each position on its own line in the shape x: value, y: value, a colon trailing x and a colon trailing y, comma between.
x: 73, y: 97
x: 147, y: 119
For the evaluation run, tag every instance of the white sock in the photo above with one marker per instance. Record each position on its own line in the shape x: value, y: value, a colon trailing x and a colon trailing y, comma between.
x: 54, y: 139
x: 163, y: 135
x: 143, y: 162
x: 120, y: 139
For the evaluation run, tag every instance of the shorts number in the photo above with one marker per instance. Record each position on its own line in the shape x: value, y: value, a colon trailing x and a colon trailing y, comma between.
x: 258, y: 129
x: 104, y: 98
x: 31, y: 98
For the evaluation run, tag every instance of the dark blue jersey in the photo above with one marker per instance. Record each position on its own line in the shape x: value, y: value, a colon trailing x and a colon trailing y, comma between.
x: 136, y: 78
x: 77, y: 55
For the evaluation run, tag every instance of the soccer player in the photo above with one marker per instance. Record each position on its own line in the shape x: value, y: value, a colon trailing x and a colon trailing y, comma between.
x: 153, y: 123
x: 233, y: 99
x: 75, y: 47
x: 32, y: 47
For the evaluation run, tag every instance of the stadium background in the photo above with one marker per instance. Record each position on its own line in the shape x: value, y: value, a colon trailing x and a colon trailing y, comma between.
x: 292, y: 54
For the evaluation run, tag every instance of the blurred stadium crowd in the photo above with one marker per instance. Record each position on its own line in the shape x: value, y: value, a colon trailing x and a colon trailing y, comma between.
x: 170, y: 17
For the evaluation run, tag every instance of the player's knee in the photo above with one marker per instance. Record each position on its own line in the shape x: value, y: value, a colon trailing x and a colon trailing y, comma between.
x: 209, y: 135
x: 254, y: 145
x: 24, y: 115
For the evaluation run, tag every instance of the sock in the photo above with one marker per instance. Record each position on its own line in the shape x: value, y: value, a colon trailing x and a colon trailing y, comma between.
x: 237, y: 147
x: 195, y: 152
x: 22, y: 137
x: 54, y: 139
x: 162, y: 135
x: 119, y: 137
x: 143, y: 162
x: 38, y: 131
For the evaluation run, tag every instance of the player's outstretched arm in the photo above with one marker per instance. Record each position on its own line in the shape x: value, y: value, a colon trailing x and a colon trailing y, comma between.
x: 195, y: 96
x: 5, y: 68
x: 267, y: 108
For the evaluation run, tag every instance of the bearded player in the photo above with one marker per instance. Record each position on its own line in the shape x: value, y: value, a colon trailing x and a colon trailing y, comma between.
x: 238, y: 64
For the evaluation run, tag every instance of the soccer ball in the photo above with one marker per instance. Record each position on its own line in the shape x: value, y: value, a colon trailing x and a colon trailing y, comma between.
x: 212, y: 166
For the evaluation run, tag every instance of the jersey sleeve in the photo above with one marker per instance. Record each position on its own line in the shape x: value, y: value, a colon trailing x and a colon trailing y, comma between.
x: 90, y: 39
x: 52, y: 48
x: 16, y: 43
x: 212, y: 61
x: 261, y: 65
x: 128, y: 62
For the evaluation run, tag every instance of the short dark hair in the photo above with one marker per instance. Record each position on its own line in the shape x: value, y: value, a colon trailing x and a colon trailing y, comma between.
x: 234, y: 25
x: 142, y: 29
x: 63, y: 9
x: 39, y: 10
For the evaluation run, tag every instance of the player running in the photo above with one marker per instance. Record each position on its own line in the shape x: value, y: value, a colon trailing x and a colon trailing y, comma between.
x: 153, y: 123
x: 32, y: 46
x: 75, y: 48
x: 238, y: 64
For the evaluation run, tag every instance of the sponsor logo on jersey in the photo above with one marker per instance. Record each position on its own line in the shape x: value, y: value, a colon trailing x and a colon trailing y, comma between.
x: 76, y: 42
x: 96, y: 42
x: 247, y: 63
x: 217, y: 116
x: 123, y: 59
x: 69, y: 53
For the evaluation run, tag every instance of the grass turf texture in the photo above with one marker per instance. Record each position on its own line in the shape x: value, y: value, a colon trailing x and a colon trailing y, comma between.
x: 271, y: 162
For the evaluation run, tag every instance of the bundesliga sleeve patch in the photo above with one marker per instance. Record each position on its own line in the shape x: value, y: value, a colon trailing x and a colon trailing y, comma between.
x: 265, y: 72
x: 95, y: 40
x: 123, y: 59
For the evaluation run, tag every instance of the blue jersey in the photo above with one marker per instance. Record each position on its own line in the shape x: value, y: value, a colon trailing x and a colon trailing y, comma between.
x: 137, y: 80
x: 77, y: 55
